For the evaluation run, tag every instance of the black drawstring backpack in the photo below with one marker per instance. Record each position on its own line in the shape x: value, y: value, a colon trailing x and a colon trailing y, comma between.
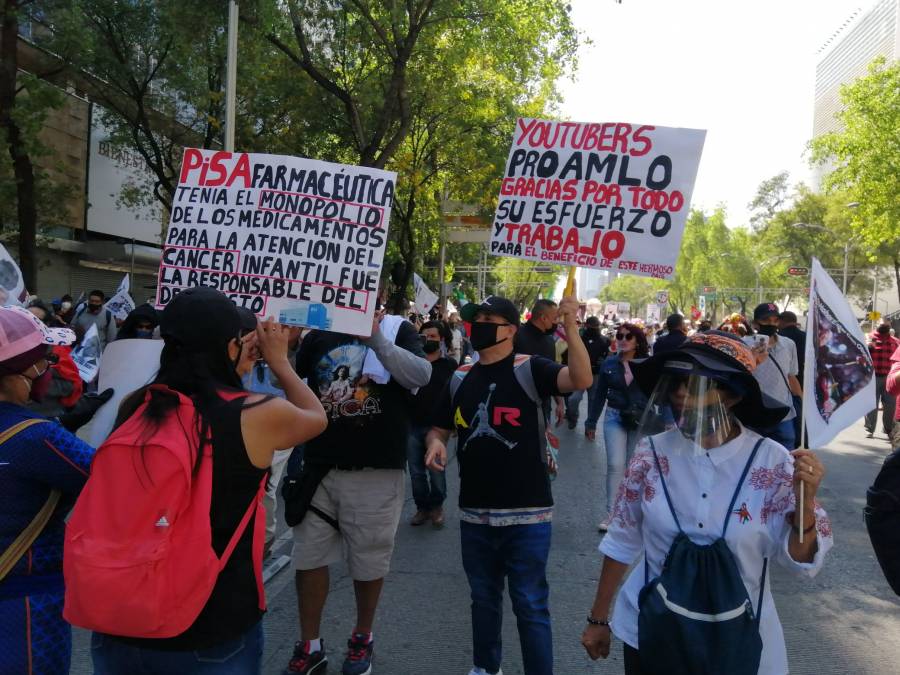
x: 882, y: 515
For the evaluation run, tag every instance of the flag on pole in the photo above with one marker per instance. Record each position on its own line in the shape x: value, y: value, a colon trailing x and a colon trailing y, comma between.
x: 425, y: 297
x: 121, y: 304
x: 12, y: 286
x: 839, y: 377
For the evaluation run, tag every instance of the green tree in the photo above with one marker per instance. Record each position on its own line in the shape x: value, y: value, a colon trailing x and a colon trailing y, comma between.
x: 866, y: 157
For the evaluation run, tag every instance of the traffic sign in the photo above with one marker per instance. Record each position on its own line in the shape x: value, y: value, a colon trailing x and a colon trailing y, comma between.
x: 662, y: 297
x: 542, y: 269
x: 709, y: 289
x: 874, y: 316
x: 798, y: 271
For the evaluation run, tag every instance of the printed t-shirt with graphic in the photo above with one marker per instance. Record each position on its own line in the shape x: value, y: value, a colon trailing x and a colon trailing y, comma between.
x: 367, y: 422
x: 501, y: 454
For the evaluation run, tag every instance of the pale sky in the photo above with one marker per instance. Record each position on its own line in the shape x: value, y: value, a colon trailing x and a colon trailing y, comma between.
x: 745, y: 72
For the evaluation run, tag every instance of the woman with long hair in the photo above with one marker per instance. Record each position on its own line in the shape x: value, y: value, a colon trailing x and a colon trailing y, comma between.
x: 625, y: 404
x: 202, y: 332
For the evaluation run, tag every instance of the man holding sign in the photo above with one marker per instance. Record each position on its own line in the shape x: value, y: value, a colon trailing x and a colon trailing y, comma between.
x: 505, y: 500
x: 363, y: 384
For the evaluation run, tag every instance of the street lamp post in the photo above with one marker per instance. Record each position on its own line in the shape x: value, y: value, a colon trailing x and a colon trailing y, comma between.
x: 759, y: 269
x: 813, y: 226
x: 231, y: 75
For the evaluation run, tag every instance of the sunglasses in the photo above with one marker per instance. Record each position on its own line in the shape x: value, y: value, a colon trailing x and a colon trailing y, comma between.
x: 624, y: 337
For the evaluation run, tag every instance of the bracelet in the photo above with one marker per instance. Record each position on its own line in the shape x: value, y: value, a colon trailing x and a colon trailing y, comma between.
x: 790, y: 519
x: 597, y: 622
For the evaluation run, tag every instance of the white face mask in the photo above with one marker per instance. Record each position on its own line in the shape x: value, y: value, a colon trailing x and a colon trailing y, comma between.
x: 66, y: 306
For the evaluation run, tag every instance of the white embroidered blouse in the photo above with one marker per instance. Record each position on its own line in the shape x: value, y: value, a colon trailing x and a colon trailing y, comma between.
x: 701, y: 487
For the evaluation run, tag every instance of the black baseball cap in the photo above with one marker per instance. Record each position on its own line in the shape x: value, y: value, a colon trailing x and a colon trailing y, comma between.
x: 248, y: 320
x: 765, y: 310
x: 491, y: 305
x: 200, y: 317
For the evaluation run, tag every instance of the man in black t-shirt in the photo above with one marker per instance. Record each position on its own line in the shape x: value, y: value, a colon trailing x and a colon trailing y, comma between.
x: 363, y: 384
x: 535, y: 337
x: 505, y: 500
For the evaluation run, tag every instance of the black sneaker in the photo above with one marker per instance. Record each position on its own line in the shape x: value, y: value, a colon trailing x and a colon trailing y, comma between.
x: 305, y: 662
x: 360, y: 654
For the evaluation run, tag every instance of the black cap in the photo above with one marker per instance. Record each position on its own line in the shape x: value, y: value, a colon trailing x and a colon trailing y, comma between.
x: 199, y: 318
x: 765, y: 310
x: 491, y: 305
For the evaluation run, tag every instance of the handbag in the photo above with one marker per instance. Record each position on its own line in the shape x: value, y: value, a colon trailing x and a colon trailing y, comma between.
x: 20, y: 545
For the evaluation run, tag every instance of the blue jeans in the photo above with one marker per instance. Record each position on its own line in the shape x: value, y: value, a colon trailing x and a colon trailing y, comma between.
x: 242, y: 656
x: 519, y: 553
x: 619, y: 443
x: 574, y: 401
x: 429, y: 487
x: 781, y: 433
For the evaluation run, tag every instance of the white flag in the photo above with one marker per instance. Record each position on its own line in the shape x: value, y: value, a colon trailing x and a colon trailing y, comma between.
x: 120, y: 305
x: 87, y: 354
x: 124, y: 285
x: 425, y: 297
x: 12, y: 287
x: 839, y: 377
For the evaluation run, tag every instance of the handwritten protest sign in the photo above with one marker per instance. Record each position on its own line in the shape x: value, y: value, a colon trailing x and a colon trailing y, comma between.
x: 610, y: 196
x: 297, y: 239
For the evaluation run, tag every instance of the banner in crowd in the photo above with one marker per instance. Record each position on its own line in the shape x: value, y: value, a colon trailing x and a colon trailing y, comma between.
x: 298, y: 239
x: 425, y: 297
x: 87, y: 354
x: 839, y: 377
x: 127, y: 365
x: 12, y: 286
x: 654, y: 312
x: 609, y: 196
x: 121, y: 304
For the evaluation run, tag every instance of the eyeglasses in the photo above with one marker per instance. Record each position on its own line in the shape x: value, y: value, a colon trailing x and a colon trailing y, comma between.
x: 624, y: 337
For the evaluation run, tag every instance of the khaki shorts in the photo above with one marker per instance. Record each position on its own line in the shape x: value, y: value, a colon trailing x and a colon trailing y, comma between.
x: 367, y: 505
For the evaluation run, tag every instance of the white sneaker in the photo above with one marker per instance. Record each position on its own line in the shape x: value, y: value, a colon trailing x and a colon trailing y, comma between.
x: 482, y: 671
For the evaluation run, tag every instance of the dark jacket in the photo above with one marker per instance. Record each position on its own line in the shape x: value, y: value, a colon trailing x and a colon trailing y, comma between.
x: 611, y: 386
x: 799, y: 338
x: 597, y: 348
x: 669, y: 342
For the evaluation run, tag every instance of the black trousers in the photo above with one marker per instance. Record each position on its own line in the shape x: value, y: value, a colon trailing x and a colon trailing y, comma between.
x: 632, y: 661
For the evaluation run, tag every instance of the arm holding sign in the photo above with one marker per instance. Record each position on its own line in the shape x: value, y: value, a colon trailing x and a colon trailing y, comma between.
x: 577, y: 375
x: 279, y: 423
x: 403, y: 359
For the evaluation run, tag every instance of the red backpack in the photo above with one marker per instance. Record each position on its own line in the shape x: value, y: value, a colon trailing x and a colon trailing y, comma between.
x: 138, y: 558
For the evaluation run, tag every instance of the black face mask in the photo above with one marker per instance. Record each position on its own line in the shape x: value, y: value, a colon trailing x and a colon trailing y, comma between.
x: 431, y: 346
x: 767, y: 330
x: 484, y: 335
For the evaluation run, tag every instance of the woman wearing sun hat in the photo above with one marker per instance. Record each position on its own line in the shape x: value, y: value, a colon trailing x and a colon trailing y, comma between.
x: 716, y: 502
x: 42, y: 469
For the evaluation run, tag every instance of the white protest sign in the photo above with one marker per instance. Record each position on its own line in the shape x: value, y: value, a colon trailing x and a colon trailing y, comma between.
x: 294, y: 238
x: 87, y: 354
x: 12, y: 287
x: 127, y: 365
x: 608, y: 196
x: 653, y: 313
x: 611, y: 309
x: 425, y: 297
x: 124, y: 285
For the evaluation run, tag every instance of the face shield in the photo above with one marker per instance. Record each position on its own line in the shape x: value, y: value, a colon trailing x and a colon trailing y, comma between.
x: 695, y: 405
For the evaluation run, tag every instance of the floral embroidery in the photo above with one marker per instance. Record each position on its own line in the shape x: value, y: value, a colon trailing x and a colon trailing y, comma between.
x: 775, y: 505
x: 764, y: 478
x: 823, y: 525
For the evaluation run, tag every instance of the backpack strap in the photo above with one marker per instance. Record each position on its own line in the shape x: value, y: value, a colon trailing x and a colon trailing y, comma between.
x: 762, y: 587
x: 20, y: 545
x: 242, y: 526
x: 662, y: 480
x: 740, y: 484
x: 525, y: 379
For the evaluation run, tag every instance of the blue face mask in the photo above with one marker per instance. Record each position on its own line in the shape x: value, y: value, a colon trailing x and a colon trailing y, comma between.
x: 143, y: 333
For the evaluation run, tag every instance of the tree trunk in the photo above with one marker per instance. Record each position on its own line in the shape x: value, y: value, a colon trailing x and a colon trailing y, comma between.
x: 897, y: 274
x: 23, y: 169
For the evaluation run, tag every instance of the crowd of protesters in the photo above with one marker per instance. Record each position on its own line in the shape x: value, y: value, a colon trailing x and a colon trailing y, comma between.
x: 690, y: 414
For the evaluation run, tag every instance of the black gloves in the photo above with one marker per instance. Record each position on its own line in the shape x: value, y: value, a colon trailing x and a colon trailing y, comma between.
x: 82, y: 412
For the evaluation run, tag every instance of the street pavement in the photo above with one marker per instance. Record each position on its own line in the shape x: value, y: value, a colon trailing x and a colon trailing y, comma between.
x: 846, y: 620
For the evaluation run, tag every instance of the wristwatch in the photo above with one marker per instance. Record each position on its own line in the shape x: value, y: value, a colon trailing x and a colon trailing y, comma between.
x: 597, y: 622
